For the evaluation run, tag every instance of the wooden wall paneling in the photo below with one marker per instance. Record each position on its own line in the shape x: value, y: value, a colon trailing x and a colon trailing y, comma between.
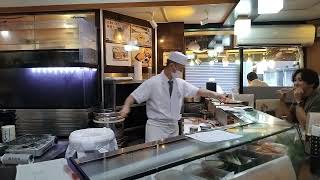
x: 173, y: 36
x: 313, y: 56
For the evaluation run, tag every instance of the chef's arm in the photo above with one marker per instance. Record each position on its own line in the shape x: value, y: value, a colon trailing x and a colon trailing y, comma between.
x: 126, y: 107
x: 206, y: 93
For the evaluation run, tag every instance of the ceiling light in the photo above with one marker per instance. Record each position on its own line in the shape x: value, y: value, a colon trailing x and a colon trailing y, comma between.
x: 211, y: 63
x: 4, y: 34
x: 237, y: 61
x: 243, y: 8
x: 269, y: 6
x: 242, y: 27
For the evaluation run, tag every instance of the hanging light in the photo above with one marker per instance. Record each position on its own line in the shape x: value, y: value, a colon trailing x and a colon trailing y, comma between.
x: 242, y: 26
x: 212, y: 53
x: 269, y: 6
x: 219, y: 48
x: 225, y: 63
x: 191, y: 63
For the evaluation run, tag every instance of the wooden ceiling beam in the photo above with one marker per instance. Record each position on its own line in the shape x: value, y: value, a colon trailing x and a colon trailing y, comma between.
x: 70, y: 7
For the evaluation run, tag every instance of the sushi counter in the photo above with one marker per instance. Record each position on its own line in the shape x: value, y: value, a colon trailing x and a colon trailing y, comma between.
x: 258, y: 145
x: 262, y: 142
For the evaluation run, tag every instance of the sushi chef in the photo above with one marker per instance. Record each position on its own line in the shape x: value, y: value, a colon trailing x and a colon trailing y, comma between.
x: 164, y: 94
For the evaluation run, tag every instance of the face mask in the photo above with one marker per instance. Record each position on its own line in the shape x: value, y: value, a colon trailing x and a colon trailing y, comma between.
x: 177, y: 74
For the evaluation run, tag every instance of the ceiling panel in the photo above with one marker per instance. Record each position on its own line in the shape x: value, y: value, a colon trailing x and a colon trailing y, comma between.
x: 141, y: 13
x: 294, y: 10
x: 186, y: 14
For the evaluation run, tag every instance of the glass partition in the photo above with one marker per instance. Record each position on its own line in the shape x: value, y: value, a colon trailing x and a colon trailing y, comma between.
x: 145, y: 159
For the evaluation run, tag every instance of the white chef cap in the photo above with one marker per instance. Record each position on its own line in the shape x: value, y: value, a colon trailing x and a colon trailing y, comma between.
x: 178, y: 57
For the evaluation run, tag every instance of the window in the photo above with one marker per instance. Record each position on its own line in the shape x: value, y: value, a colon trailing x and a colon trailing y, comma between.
x: 274, y: 66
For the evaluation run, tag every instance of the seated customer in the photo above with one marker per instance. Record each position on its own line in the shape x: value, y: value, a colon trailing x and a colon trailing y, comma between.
x: 253, y: 80
x: 305, y: 94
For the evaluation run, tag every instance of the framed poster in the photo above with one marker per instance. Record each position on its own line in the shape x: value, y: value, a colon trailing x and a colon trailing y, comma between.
x: 143, y: 55
x: 141, y: 35
x: 116, y: 55
x: 117, y: 32
x: 165, y: 57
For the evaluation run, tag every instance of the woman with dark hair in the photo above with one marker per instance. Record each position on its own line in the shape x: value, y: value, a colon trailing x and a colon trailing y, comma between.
x: 305, y: 95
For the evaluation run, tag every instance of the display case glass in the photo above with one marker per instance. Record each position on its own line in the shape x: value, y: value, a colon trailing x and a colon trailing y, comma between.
x: 149, y: 159
x: 48, y: 40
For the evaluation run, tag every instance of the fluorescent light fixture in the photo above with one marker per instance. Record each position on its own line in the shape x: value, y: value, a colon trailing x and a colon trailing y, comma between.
x: 4, y: 34
x: 60, y: 70
x: 242, y: 27
x: 204, y: 21
x: 269, y: 6
x: 243, y: 8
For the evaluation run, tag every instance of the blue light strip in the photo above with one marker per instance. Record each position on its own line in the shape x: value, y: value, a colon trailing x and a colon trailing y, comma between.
x: 60, y: 70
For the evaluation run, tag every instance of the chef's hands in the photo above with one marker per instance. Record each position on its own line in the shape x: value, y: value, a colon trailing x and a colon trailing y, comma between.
x: 222, y: 98
x: 125, y: 111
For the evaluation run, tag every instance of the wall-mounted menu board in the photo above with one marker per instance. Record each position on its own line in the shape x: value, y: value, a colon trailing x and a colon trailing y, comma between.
x: 116, y: 55
x: 142, y: 35
x: 117, y: 32
x: 143, y: 55
x: 120, y: 34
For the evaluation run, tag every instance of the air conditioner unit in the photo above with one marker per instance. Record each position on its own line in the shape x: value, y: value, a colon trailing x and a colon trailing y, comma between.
x: 279, y: 35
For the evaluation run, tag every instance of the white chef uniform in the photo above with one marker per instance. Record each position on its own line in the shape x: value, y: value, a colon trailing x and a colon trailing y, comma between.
x: 163, y: 111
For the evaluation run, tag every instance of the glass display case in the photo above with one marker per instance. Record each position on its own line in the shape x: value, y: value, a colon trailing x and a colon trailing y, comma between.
x: 263, y: 140
x: 48, y: 40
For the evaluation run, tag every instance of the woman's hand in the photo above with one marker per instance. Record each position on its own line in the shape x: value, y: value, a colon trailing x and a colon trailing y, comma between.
x: 298, y: 94
x: 283, y: 93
